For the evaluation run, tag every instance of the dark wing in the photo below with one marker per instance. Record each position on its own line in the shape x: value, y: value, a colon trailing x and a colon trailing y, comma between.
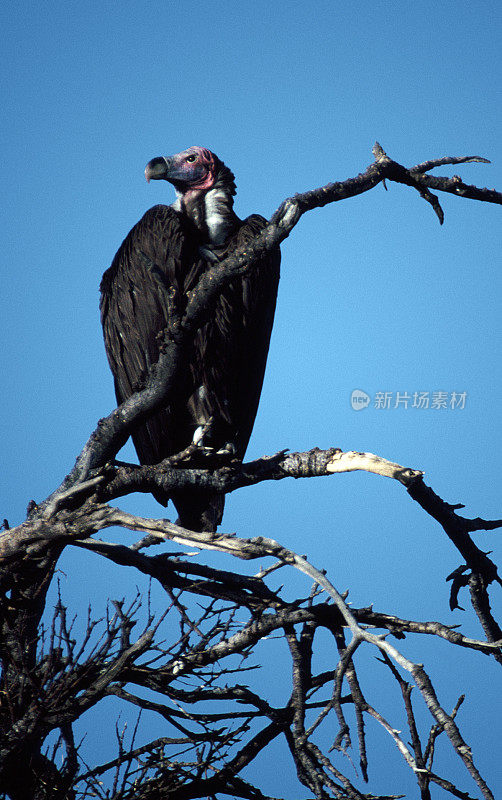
x: 232, y: 349
x: 224, y: 377
x: 228, y: 366
x: 160, y: 251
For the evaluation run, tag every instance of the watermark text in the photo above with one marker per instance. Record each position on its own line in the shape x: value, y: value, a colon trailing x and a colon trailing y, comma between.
x: 423, y: 401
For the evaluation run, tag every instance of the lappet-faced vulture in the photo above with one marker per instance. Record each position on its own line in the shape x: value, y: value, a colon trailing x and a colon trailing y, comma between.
x: 221, y: 381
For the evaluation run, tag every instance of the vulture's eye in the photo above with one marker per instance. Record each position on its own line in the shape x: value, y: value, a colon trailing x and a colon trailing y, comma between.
x: 191, y: 158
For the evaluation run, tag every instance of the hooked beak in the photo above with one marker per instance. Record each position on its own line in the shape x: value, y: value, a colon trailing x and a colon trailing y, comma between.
x: 158, y: 169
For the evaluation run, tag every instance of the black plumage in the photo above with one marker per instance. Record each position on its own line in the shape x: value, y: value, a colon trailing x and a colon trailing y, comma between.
x: 171, y: 246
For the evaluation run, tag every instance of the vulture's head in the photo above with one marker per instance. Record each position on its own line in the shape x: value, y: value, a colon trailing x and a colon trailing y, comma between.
x: 193, y: 169
x: 204, y: 188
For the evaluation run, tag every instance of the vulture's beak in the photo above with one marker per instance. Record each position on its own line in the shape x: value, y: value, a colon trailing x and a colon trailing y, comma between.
x: 158, y: 169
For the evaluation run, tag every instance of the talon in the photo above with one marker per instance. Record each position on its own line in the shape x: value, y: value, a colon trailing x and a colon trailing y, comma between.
x: 228, y: 449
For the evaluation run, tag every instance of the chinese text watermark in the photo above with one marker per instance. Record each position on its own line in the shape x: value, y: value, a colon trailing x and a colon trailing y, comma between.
x: 433, y: 401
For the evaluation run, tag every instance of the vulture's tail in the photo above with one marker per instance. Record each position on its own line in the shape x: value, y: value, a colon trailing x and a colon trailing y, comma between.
x: 199, y: 511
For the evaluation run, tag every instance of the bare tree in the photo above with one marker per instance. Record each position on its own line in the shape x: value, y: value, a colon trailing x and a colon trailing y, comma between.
x: 216, y: 725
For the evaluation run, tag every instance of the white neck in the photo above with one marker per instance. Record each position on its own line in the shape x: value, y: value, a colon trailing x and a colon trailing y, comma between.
x: 211, y: 212
x: 219, y: 218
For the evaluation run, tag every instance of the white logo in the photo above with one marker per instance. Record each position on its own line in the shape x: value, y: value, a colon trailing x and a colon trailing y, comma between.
x: 359, y: 399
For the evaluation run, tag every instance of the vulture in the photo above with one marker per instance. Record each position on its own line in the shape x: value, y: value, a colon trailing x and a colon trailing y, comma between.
x: 216, y: 399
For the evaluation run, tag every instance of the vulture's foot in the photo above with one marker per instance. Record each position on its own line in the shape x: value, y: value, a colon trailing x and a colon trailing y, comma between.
x: 228, y: 449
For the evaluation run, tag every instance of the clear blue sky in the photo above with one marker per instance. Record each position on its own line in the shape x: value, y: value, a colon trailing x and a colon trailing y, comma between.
x: 375, y: 295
